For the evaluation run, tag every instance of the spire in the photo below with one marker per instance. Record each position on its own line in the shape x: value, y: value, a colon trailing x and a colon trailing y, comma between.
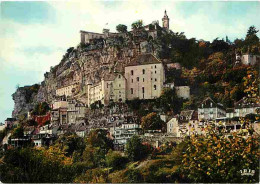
x: 165, y: 14
x: 165, y: 20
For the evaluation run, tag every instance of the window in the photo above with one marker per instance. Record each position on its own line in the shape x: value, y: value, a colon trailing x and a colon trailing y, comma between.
x: 132, y: 72
x: 154, y: 87
x: 137, y: 78
x: 143, y: 89
x: 143, y: 71
x: 154, y: 71
x: 119, y: 76
x: 143, y: 79
x: 132, y: 80
x: 155, y: 79
x: 132, y: 91
x: 151, y: 79
x: 119, y: 85
x: 155, y: 66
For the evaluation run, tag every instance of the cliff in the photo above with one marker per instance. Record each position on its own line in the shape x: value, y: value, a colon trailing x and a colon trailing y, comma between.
x: 88, y: 63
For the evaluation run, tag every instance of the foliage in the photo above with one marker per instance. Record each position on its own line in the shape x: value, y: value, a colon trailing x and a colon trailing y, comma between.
x: 169, y: 102
x: 31, y: 165
x: 41, y: 108
x: 121, y: 28
x: 3, y: 133
x: 98, y: 138
x: 152, y: 121
x: 30, y: 91
x: 137, y: 24
x: 135, y: 150
x: 97, y: 175
x: 18, y: 132
x: 96, y: 105
x: 115, y: 160
x: 215, y: 158
x: 70, y: 143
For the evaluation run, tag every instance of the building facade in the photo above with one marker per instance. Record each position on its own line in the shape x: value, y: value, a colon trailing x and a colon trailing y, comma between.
x: 66, y: 91
x: 209, y: 110
x: 111, y: 88
x: 144, y: 77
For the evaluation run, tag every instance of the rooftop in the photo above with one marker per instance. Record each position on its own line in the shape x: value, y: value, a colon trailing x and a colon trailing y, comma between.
x: 144, y: 59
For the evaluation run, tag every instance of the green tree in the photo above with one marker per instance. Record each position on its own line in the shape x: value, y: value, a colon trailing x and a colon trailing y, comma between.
x: 70, y: 143
x: 152, y: 121
x: 137, y: 24
x: 215, y: 158
x: 135, y: 150
x: 169, y: 101
x: 18, y: 132
x: 121, y: 28
x: 99, y: 138
x: 115, y: 160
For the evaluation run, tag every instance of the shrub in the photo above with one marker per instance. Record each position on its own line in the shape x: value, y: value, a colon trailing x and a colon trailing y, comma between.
x: 115, y: 160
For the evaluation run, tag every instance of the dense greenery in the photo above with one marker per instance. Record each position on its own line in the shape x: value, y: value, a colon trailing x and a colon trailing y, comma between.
x: 152, y: 121
x: 41, y: 108
x: 210, y: 158
x: 121, y: 28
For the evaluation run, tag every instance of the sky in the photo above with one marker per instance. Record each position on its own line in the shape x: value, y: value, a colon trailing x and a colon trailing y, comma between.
x: 35, y: 35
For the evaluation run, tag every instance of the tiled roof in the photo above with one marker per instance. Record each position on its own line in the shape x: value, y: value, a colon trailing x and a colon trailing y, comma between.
x: 144, y: 59
x: 246, y: 102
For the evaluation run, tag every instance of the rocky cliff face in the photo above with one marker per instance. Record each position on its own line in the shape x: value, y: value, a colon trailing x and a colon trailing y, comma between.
x: 87, y: 63
x: 25, y: 99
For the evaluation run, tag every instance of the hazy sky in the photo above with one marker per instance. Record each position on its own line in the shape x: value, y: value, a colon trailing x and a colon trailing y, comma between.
x: 35, y: 35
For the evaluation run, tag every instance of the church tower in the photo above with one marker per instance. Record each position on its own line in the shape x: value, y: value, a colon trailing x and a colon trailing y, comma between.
x: 165, y: 20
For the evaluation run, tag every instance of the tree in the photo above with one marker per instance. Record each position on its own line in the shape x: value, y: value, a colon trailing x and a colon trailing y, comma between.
x: 169, y: 101
x: 216, y: 158
x: 251, y: 31
x: 137, y: 24
x: 41, y: 108
x: 99, y: 138
x: 115, y: 160
x: 70, y: 144
x: 18, y: 132
x: 135, y: 150
x: 30, y: 165
x: 121, y: 28
x: 152, y: 121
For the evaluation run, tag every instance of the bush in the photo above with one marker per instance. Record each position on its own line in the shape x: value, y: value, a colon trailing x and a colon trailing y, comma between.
x: 135, y: 150
x: 115, y: 160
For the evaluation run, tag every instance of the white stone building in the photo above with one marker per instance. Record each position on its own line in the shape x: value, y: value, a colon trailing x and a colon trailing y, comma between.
x: 144, y: 77
x: 183, y: 92
x: 245, y: 106
x: 125, y: 131
x: 209, y: 110
x: 112, y: 87
x: 249, y: 59
x: 66, y: 90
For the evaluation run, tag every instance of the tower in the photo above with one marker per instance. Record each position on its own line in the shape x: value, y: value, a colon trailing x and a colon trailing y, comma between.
x: 165, y: 20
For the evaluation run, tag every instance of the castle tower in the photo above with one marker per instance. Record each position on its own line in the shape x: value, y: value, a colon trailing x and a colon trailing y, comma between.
x: 165, y: 20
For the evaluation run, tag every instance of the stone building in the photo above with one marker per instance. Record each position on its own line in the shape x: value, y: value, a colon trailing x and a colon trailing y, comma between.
x: 209, y: 110
x: 245, y: 106
x: 76, y: 112
x: 144, y: 77
x: 183, y: 92
x: 66, y: 90
x: 248, y: 59
x: 111, y: 87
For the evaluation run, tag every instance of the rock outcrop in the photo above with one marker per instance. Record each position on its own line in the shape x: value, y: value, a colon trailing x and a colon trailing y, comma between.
x: 88, y: 63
